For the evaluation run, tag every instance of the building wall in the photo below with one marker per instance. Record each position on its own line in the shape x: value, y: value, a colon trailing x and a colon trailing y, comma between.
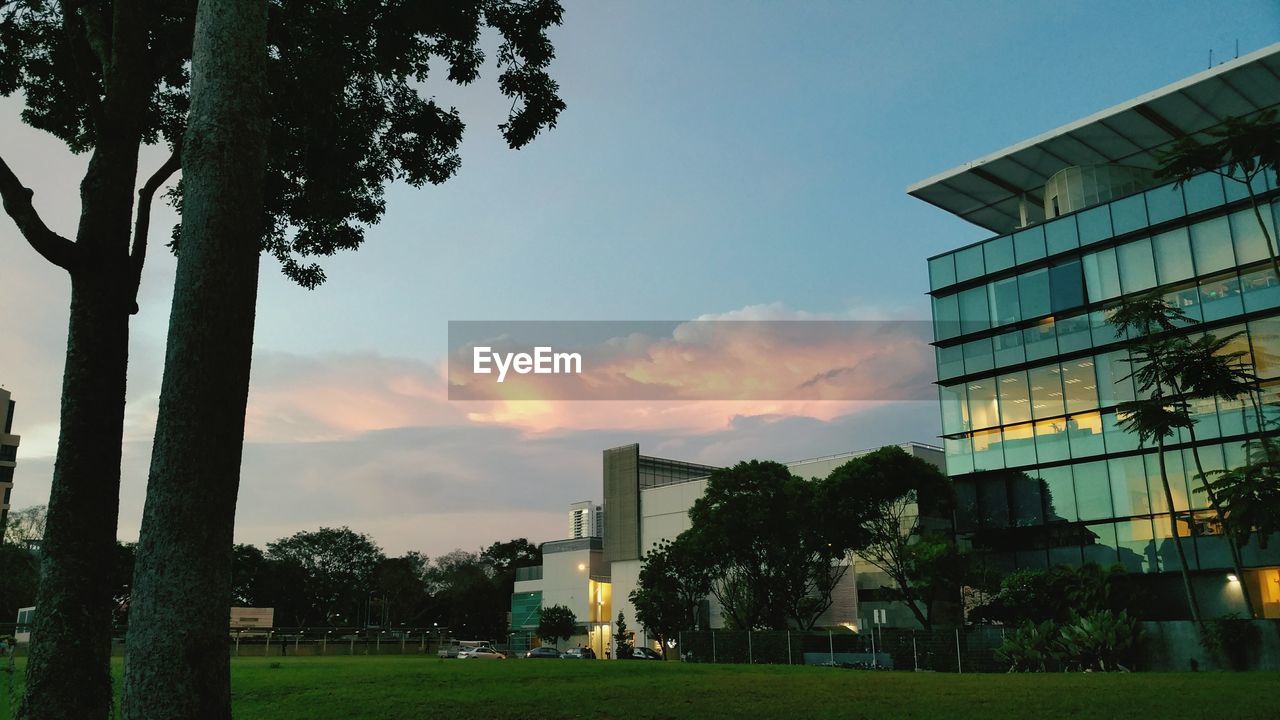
x: 622, y: 503
x: 8, y: 456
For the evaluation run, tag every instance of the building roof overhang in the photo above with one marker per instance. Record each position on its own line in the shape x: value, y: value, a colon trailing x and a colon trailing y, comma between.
x: 988, y: 191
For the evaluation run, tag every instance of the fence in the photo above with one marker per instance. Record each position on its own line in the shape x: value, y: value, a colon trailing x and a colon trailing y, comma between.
x: 970, y: 649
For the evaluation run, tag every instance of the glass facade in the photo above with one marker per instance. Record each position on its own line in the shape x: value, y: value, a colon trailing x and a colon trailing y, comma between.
x: 1030, y: 375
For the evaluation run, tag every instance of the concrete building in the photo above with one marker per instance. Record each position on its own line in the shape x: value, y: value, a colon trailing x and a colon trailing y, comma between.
x: 586, y: 519
x: 574, y: 574
x: 1031, y: 373
x: 8, y: 455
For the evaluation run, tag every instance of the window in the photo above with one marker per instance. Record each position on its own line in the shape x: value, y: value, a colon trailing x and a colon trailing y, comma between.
x: 998, y: 253
x: 1203, y: 191
x: 942, y: 271
x: 959, y: 455
x: 1003, y: 299
x: 1265, y: 335
x: 1059, y: 494
x: 950, y: 361
x: 1073, y: 333
x: 1128, y: 214
x: 1079, y: 385
x: 1094, y: 224
x: 1186, y: 298
x: 1177, y: 481
x: 969, y: 263
x: 1220, y: 297
x: 1084, y: 433
x: 977, y: 356
x: 974, y: 315
x: 1137, y: 267
x: 1114, y: 384
x: 1009, y: 349
x: 1040, y: 340
x: 1046, y: 391
x: 1025, y: 501
x: 1164, y: 203
x: 1101, y: 275
x: 1028, y: 244
x: 1118, y: 439
x: 1019, y: 445
x: 1015, y: 402
x: 1136, y: 543
x: 1033, y: 293
x: 1260, y: 290
x: 983, y: 410
x: 1060, y: 235
x: 1093, y: 490
x: 1173, y: 256
x: 1066, y: 286
x: 1129, y: 486
x: 987, y: 454
x: 954, y: 411
x: 1211, y: 246
x: 1246, y: 234
x: 993, y: 502
x: 946, y: 317
x: 1051, y: 440
x: 1211, y: 460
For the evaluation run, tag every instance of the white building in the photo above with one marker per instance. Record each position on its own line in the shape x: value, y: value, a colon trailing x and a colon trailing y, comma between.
x: 586, y: 519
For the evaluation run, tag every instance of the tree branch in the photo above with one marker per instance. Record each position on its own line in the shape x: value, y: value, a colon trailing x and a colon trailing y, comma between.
x: 17, y: 203
x: 82, y: 57
x: 142, y: 225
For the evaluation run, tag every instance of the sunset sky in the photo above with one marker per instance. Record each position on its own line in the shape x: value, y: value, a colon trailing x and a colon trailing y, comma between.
x: 717, y: 160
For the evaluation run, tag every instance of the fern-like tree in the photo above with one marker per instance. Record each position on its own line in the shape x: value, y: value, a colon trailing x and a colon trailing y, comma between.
x: 1241, y: 149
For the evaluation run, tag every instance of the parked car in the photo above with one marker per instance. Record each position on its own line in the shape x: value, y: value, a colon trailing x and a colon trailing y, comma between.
x: 543, y: 652
x: 644, y: 653
x: 480, y: 653
x: 580, y: 653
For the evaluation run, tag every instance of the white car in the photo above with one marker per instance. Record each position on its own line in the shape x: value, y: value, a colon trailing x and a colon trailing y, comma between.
x: 481, y: 653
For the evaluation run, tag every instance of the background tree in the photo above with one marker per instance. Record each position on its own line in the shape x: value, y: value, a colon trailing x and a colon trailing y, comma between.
x: 106, y: 77
x: 337, y: 566
x: 401, y: 584
x: 557, y: 623
x: 891, y: 496
x: 358, y: 68
x: 25, y: 527
x: 507, y: 557
x: 671, y: 586
x: 772, y: 564
x: 19, y: 572
x: 467, y: 597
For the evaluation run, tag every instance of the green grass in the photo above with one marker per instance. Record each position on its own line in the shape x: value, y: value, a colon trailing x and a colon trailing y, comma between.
x: 415, y: 687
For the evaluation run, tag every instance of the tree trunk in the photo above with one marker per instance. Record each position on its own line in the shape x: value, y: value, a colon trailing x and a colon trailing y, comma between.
x: 68, y: 674
x: 177, y: 662
x: 1192, y: 603
x: 1237, y: 561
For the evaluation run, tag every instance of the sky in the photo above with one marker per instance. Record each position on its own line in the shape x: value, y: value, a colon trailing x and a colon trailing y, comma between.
x: 718, y: 159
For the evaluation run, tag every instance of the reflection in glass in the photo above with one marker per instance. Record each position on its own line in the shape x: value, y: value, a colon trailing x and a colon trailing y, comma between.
x: 977, y: 356
x: 1177, y: 481
x: 1015, y: 401
x: 974, y: 315
x: 1019, y: 445
x: 1066, y: 286
x: 1101, y: 275
x: 1211, y: 246
x: 1094, y: 224
x: 1040, y: 340
x: 983, y: 411
x: 1060, y: 235
x: 1028, y: 244
x: 1220, y: 297
x: 1102, y: 549
x: 1059, y: 494
x: 1136, y: 544
x: 1203, y: 191
x: 942, y: 271
x: 1129, y: 486
x: 1084, y: 433
x: 1009, y: 349
x: 969, y: 263
x: 1093, y: 490
x: 1260, y: 289
x: 1033, y: 293
x: 1025, y: 500
x: 1003, y: 299
x: 1128, y: 214
x: 1173, y: 256
x: 1051, y: 440
x: 998, y: 253
x: 1137, y: 266
x: 1250, y: 245
x: 1046, y: 391
x: 1080, y: 385
x: 1164, y: 203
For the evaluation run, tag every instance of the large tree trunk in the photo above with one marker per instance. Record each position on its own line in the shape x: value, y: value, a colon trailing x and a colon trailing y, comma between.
x: 177, y: 652
x: 68, y: 674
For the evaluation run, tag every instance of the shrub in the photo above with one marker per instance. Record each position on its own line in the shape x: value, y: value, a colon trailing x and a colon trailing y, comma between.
x: 1033, y: 647
x: 1233, y: 641
x: 1103, y: 640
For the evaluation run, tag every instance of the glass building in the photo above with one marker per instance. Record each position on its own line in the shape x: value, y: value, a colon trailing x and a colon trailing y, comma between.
x: 1030, y: 372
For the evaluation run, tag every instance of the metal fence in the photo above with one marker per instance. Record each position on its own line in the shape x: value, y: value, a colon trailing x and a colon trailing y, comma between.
x: 969, y: 649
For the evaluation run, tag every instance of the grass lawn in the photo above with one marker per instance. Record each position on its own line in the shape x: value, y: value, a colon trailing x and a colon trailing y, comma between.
x: 415, y: 687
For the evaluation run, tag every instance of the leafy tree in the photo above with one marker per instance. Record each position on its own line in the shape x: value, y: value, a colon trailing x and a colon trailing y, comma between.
x: 338, y: 567
x: 25, y: 527
x: 401, y: 584
x: 346, y: 118
x: 1250, y: 494
x: 557, y: 623
x: 890, y: 496
x: 506, y: 557
x: 672, y: 583
x: 1241, y: 149
x: 771, y: 562
x: 467, y: 596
